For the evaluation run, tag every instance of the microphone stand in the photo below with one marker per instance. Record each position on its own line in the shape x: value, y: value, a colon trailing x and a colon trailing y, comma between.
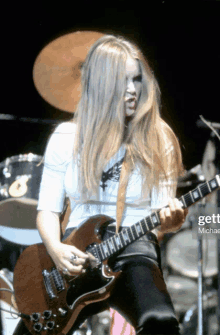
x: 200, y: 274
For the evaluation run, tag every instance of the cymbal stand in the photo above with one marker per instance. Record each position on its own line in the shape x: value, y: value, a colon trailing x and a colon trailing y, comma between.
x: 200, y: 275
x: 218, y: 251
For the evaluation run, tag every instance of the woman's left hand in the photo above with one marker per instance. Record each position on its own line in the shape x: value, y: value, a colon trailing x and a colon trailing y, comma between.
x: 172, y: 217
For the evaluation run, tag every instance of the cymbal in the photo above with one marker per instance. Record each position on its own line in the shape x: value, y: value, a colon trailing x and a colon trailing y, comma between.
x: 56, y: 71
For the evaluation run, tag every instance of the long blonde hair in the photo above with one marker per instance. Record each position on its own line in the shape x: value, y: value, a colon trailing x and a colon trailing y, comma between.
x: 100, y: 119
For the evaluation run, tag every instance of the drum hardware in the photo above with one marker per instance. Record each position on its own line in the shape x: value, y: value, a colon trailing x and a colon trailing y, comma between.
x: 4, y: 191
x: 19, y: 187
x: 98, y: 324
x: 7, y: 304
x: 201, y: 124
x: 211, y: 166
x: 6, y: 171
x: 7, y: 274
x: 192, y: 176
x: 190, y: 321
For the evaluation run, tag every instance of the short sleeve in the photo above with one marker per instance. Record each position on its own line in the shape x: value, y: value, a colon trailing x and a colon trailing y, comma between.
x: 58, y: 155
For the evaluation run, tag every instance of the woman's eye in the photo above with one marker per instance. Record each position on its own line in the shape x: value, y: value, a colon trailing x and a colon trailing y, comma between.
x: 138, y: 78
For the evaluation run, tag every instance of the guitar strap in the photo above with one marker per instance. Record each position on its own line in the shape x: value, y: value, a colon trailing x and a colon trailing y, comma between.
x: 65, y: 217
x: 123, y: 182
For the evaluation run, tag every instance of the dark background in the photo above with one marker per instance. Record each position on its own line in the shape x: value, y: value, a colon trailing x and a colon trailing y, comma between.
x: 181, y: 41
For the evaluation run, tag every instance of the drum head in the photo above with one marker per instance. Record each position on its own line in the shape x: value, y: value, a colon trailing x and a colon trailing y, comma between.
x: 182, y: 254
x: 183, y: 292
x: 15, y: 213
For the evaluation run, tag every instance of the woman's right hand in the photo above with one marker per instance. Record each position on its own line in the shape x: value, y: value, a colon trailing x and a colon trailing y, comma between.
x: 67, y: 258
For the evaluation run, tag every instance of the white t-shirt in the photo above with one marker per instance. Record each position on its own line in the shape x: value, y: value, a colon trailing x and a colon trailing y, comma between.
x: 60, y: 180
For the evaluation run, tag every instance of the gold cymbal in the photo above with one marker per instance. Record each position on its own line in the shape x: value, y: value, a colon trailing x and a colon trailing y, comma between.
x: 56, y: 71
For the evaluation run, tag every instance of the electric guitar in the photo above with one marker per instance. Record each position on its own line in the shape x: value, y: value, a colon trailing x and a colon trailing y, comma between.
x: 51, y: 302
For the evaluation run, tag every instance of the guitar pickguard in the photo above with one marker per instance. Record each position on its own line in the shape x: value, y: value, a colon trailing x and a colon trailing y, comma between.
x: 93, y: 281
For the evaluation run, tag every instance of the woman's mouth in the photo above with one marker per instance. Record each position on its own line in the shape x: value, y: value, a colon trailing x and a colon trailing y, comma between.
x: 131, y: 103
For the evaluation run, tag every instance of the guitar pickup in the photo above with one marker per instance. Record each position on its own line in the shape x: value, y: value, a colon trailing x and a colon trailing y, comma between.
x: 48, y: 285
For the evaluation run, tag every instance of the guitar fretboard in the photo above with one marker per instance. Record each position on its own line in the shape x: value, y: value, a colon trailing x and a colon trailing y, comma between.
x: 130, y: 234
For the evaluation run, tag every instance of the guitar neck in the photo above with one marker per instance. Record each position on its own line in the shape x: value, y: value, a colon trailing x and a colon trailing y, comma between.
x: 128, y: 235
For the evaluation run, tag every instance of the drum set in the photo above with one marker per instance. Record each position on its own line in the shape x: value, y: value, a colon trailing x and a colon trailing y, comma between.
x: 19, y: 187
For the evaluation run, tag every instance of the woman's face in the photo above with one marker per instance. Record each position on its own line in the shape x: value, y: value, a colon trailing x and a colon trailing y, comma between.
x: 133, y: 85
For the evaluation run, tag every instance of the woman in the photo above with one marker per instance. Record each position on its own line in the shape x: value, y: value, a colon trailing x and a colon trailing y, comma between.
x: 116, y: 125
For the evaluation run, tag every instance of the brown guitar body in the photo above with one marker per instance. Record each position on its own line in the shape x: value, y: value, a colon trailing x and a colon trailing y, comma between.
x: 54, y: 301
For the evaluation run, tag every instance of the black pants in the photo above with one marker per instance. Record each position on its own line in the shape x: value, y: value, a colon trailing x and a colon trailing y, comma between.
x: 140, y: 294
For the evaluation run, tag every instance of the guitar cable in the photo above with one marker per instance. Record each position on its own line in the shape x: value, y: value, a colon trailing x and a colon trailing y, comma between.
x: 22, y: 315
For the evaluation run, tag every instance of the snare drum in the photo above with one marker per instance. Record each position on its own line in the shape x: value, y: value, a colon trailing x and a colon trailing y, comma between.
x: 9, y: 322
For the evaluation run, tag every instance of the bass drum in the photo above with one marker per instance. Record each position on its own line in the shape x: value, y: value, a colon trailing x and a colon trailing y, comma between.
x: 8, y: 321
x: 183, y: 292
x: 20, y: 178
x: 182, y: 254
x: 190, y: 321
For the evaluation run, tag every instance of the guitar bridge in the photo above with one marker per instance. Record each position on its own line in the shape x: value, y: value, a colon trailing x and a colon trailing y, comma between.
x: 53, y: 280
x: 48, y: 284
x: 58, y: 280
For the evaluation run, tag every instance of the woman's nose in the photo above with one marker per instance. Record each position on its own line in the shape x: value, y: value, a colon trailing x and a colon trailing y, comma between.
x: 131, y: 88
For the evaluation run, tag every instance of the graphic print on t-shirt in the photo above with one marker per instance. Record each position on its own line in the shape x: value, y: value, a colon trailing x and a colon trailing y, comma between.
x: 112, y: 174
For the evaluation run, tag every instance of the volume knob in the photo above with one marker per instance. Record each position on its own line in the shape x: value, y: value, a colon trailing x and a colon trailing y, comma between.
x: 50, y: 325
x: 47, y: 315
x: 35, y: 317
x: 38, y: 327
